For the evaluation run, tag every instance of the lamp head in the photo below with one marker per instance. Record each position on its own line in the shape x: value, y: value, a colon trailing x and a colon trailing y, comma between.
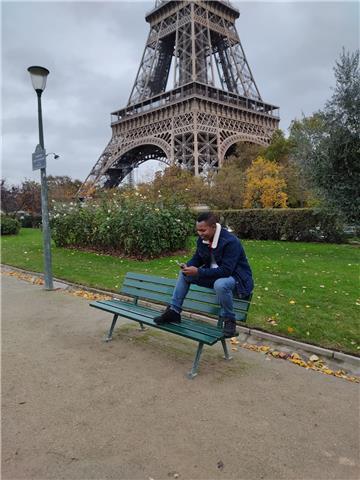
x: 38, y: 77
x: 54, y: 154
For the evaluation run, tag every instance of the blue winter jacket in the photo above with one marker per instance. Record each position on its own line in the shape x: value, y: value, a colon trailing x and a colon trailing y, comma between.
x: 231, y: 260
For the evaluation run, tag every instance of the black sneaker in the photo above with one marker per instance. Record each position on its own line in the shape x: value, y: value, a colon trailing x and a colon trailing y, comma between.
x: 169, y: 316
x: 229, y: 328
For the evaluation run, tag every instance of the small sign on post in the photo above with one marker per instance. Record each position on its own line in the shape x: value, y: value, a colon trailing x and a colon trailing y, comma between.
x: 39, y: 158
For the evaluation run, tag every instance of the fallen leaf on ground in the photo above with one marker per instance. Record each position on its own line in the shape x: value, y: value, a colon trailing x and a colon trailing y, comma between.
x: 299, y: 362
x: 271, y: 320
x: 90, y: 295
x: 314, y: 358
x: 264, y: 349
x: 25, y: 276
x: 275, y: 354
x: 295, y: 358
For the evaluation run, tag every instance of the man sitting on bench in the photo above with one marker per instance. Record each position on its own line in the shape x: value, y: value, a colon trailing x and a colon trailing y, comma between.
x: 219, y: 263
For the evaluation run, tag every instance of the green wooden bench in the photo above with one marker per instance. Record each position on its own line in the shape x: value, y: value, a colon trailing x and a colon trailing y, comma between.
x: 159, y: 290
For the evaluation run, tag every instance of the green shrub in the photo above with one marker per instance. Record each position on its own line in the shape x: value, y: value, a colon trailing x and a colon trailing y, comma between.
x: 131, y: 226
x: 9, y: 225
x: 292, y: 224
x: 29, y: 220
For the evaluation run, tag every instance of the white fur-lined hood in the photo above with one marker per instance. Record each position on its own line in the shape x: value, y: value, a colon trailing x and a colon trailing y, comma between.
x: 216, y: 236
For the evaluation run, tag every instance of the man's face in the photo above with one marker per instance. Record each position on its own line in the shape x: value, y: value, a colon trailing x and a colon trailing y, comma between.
x: 205, y: 231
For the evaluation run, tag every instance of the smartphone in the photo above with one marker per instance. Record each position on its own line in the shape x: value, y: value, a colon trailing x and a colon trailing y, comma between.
x: 181, y: 265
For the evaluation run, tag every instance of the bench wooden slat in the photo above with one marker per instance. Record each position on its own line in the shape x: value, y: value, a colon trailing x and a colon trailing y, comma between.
x: 202, y: 308
x: 191, y: 304
x: 195, y: 325
x: 207, y: 297
x: 166, y: 281
x: 177, y: 329
x: 150, y: 278
x: 155, y: 287
x: 136, y: 292
x: 238, y: 303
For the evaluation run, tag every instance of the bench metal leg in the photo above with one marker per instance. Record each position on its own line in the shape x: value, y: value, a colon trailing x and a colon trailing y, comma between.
x: 226, y: 352
x: 109, y: 336
x: 193, y: 371
x: 142, y: 326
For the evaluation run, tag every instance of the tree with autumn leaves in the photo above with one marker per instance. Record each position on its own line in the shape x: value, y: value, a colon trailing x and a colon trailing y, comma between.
x: 259, y: 177
x: 27, y: 195
x: 265, y: 185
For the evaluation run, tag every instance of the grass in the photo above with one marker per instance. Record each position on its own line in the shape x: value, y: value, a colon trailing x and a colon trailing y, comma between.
x: 310, y: 290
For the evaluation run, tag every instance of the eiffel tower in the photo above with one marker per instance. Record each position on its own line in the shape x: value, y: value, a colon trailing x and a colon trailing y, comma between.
x: 213, y: 102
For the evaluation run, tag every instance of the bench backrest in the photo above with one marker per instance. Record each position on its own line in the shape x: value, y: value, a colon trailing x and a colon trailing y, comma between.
x: 198, y: 300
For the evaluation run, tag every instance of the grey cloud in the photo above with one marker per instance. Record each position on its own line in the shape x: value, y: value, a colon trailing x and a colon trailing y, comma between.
x: 93, y: 52
x: 292, y: 47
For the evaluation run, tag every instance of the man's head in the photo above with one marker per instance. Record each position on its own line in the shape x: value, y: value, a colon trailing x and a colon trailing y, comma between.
x: 206, y: 226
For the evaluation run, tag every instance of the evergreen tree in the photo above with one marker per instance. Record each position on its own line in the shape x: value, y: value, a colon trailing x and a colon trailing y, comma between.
x: 242, y: 154
x: 279, y: 148
x: 328, y: 143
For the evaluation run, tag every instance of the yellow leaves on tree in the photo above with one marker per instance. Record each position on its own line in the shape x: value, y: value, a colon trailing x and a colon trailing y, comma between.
x: 265, y: 185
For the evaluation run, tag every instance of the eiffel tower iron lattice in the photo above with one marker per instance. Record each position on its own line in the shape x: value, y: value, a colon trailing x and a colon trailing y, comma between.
x: 211, y: 103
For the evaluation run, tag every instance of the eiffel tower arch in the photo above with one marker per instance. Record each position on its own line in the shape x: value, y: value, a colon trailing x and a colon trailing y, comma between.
x: 212, y: 100
x: 120, y: 157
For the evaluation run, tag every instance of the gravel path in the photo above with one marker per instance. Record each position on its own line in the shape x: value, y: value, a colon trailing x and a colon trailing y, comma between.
x: 74, y: 407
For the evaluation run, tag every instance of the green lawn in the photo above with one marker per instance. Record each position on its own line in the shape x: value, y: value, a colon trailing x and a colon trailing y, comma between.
x: 310, y: 290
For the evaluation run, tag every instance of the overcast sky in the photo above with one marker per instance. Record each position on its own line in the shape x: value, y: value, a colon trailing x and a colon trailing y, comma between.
x: 93, y: 51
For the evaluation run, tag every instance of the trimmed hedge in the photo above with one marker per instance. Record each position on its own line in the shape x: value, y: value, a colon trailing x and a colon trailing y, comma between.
x: 9, y: 225
x: 133, y: 227
x: 292, y: 224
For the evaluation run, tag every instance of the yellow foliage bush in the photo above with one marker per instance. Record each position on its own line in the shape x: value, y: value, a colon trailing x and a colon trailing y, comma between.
x: 265, y: 185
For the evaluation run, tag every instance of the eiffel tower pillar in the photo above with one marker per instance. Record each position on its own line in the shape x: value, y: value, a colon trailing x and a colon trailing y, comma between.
x: 196, y: 145
x: 210, y: 102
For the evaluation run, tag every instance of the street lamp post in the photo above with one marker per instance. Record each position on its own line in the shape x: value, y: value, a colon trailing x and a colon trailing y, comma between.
x: 38, y: 78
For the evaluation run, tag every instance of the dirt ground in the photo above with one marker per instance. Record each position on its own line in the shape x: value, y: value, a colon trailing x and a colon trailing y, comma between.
x: 74, y: 407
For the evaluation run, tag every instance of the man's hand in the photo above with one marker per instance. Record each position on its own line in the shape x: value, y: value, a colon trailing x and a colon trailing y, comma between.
x: 190, y: 271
